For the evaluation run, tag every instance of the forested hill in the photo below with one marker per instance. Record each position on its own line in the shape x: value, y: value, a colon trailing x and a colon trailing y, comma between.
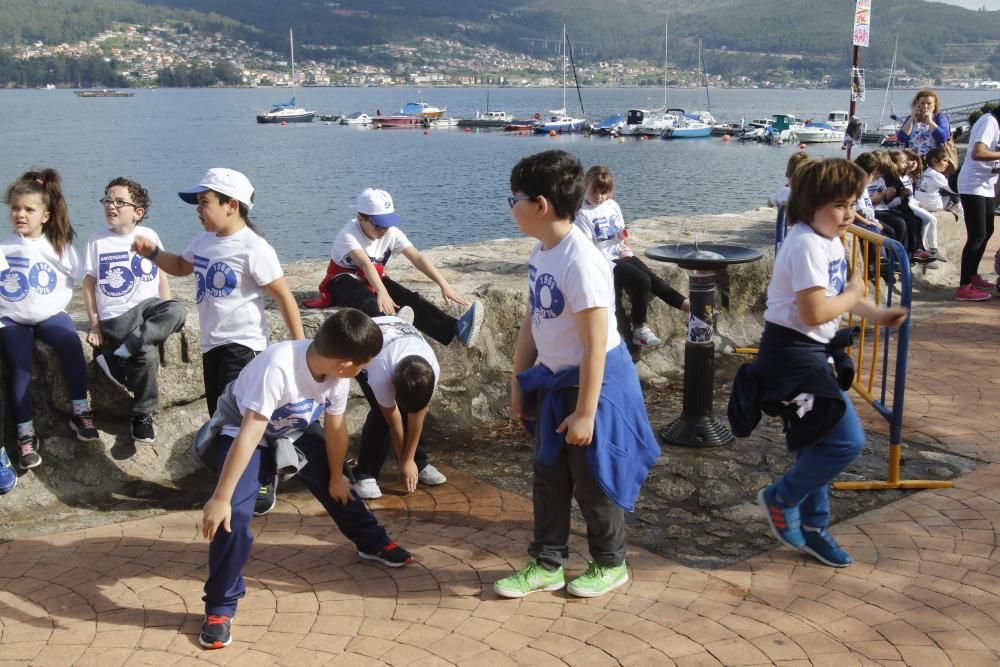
x: 748, y: 34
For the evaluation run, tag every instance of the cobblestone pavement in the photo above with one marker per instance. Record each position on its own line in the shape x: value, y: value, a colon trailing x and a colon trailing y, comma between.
x: 925, y: 589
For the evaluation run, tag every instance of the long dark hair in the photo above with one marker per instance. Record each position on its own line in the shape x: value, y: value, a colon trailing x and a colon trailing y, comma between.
x: 47, y: 184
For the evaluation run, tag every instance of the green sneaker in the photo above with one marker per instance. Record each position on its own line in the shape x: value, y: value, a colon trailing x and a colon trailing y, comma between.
x: 598, y: 580
x: 531, y: 578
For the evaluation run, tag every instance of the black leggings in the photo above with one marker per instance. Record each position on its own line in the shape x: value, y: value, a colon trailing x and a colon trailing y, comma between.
x: 979, y: 228
x: 639, y: 281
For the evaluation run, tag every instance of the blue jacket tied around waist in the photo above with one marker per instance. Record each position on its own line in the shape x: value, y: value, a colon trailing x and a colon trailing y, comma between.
x: 623, y: 448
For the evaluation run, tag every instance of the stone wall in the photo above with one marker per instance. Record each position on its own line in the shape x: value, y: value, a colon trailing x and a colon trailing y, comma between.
x: 473, y: 392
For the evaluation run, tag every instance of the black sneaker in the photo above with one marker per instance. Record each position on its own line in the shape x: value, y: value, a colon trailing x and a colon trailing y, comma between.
x: 216, y: 631
x: 114, y: 367
x: 391, y: 555
x: 83, y: 425
x: 267, y: 497
x: 142, y: 428
x: 28, y: 447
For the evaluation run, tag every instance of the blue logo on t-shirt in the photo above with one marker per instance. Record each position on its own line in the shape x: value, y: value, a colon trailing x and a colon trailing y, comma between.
x: 13, y: 285
x: 220, y: 280
x: 143, y: 269
x: 546, y: 299
x: 606, y: 228
x: 115, y: 279
x: 42, y: 278
x: 16, y: 285
x: 293, y: 417
x: 838, y: 277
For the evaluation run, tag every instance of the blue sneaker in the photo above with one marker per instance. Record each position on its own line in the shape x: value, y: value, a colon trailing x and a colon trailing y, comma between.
x: 784, y: 521
x: 821, y: 546
x: 470, y: 324
x: 8, y: 477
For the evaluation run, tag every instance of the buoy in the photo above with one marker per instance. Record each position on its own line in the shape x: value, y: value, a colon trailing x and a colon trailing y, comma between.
x: 780, y: 142
x: 802, y: 147
x: 378, y: 125
x: 726, y: 138
x: 284, y: 123
x: 552, y: 133
x: 520, y: 133
x: 621, y: 140
x: 468, y: 129
x: 427, y: 131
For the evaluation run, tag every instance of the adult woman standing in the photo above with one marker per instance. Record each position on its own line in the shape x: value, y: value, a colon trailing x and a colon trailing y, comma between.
x: 976, y: 183
x: 927, y: 126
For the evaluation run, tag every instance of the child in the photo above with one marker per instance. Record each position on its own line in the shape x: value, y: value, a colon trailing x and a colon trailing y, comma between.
x: 780, y: 196
x: 356, y: 275
x: 235, y: 268
x: 34, y: 291
x: 809, y: 292
x: 890, y: 197
x: 601, y: 219
x: 864, y: 210
x: 593, y: 439
x: 398, y: 384
x: 933, y: 182
x: 928, y: 222
x: 128, y: 302
x: 260, y: 414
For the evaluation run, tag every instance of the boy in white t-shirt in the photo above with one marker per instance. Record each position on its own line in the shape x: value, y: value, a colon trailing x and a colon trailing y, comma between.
x: 583, y: 400
x: 356, y: 275
x: 128, y: 302
x: 261, y: 421
x: 398, y: 384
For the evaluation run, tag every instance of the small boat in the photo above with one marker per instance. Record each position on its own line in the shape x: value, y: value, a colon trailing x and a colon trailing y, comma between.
x: 819, y: 133
x: 398, y: 120
x: 287, y: 112
x: 102, y: 92
x: 634, y: 118
x: 356, y: 118
x: 443, y: 122
x: 422, y: 110
x: 329, y: 117
x: 655, y: 123
x: 559, y: 121
x: 838, y: 119
x: 522, y: 124
x: 611, y: 125
x: 487, y: 119
x: 686, y: 127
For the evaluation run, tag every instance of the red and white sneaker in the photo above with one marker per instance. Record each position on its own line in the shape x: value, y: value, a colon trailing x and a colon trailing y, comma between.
x: 971, y: 293
x: 644, y: 337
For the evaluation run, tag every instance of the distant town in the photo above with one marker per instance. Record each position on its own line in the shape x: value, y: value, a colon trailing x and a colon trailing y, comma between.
x: 149, y: 55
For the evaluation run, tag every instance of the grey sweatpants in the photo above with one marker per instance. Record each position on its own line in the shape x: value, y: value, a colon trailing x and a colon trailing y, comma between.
x: 553, y: 491
x: 142, y: 330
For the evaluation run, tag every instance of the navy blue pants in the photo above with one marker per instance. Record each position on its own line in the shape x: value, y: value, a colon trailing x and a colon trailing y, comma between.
x: 229, y: 552
x: 19, y: 354
x: 807, y: 483
x: 376, y: 442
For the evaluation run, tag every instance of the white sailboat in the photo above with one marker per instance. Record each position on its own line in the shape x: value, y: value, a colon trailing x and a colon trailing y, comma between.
x: 559, y: 120
x: 287, y: 112
x: 655, y: 122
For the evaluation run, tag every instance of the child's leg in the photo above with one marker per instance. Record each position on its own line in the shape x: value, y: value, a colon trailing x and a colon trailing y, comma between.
x: 552, y: 497
x: 18, y: 342
x: 621, y: 317
x: 220, y: 366
x: 659, y: 286
x: 59, y: 332
x: 354, y: 519
x: 637, y: 285
x: 230, y: 551
x: 605, y: 519
x: 348, y: 291
x: 930, y: 231
x: 427, y: 317
x: 376, y: 441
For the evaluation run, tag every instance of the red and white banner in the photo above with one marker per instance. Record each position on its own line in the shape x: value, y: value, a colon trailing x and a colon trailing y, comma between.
x: 862, y: 22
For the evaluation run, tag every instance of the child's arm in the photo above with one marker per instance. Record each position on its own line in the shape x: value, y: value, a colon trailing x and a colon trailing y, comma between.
x: 218, y: 510
x: 335, y: 436
x: 363, y: 262
x: 173, y: 264
x: 862, y: 220
x: 404, y: 442
x: 816, y: 308
x: 886, y: 317
x: 525, y: 354
x: 593, y: 326
x: 425, y: 267
x: 165, y: 293
x: 94, y: 337
x: 278, y: 289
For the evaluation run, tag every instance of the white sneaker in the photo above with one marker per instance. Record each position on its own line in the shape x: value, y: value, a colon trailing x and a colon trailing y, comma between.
x: 366, y: 489
x: 431, y: 476
x: 644, y: 337
x: 406, y: 314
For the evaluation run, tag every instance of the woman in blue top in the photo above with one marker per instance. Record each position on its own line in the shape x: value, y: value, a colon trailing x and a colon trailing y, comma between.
x: 927, y: 126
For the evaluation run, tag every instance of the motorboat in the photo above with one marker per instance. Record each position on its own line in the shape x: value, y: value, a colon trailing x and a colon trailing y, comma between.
x: 356, y: 118
x: 399, y: 120
x: 287, y: 112
x: 611, y: 125
x: 422, y: 110
x: 819, y: 133
x: 487, y: 119
x: 443, y: 122
x: 654, y: 123
x: 686, y: 127
x: 522, y: 124
x: 838, y: 119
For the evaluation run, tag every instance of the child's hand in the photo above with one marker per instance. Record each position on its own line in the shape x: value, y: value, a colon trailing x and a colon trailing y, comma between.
x: 888, y: 193
x: 892, y: 317
x: 579, y: 430
x: 521, y: 411
x: 216, y: 513
x: 856, y: 285
x: 339, y: 489
x: 449, y: 294
x: 408, y: 475
x: 143, y: 246
x: 94, y: 337
x: 385, y: 302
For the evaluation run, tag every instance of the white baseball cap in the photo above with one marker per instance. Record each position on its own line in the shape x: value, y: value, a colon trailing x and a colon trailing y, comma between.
x: 377, y: 204
x: 224, y: 181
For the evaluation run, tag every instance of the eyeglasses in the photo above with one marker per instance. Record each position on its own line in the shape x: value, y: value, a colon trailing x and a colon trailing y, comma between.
x: 516, y: 198
x: 117, y: 203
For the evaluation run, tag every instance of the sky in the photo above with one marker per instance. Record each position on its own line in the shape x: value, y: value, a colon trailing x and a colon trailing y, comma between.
x: 974, y: 4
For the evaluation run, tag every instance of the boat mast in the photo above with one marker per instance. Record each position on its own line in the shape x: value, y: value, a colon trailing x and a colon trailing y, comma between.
x: 291, y: 47
x: 704, y: 76
x: 666, y: 27
x: 888, y: 85
x: 564, y: 67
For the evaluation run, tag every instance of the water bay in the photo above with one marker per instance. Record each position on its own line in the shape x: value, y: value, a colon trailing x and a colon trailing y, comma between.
x: 450, y: 186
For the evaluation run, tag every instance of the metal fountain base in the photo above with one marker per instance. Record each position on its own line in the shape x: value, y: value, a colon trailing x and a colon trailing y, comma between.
x: 701, y: 432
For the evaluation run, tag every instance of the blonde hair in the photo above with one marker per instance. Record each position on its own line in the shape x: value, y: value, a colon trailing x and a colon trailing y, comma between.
x: 927, y: 92
x: 816, y: 183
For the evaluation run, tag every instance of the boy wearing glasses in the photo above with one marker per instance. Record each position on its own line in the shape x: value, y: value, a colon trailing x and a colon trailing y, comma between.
x: 583, y: 400
x: 128, y: 303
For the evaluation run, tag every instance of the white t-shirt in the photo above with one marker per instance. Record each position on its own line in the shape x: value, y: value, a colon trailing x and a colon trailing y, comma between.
x: 38, y: 282
x: 780, y: 196
x: 864, y: 206
x: 278, y: 383
x: 351, y: 237
x: 877, y: 186
x: 124, y: 278
x: 805, y: 259
x: 928, y: 189
x: 232, y: 272
x: 978, y: 177
x: 604, y: 224
x: 399, y: 340
x: 562, y: 281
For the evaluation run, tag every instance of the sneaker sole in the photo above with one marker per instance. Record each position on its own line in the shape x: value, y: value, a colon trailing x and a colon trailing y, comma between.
x: 770, y: 523
x: 138, y: 439
x: 20, y: 464
x: 806, y: 549
x: 985, y: 297
x: 262, y: 512
x: 646, y: 345
x: 80, y: 436
x: 215, y: 643
x: 512, y: 594
x: 379, y: 559
x: 103, y: 364
x: 595, y: 594
x: 477, y: 325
